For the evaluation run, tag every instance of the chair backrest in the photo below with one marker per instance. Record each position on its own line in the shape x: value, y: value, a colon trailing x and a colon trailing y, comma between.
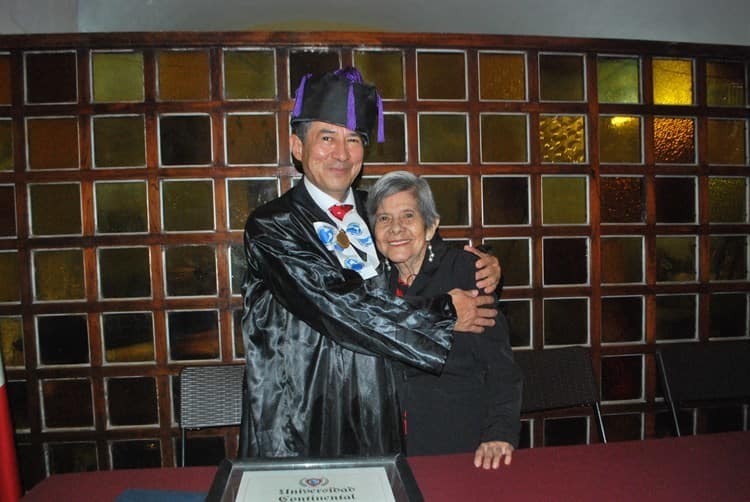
x: 211, y: 396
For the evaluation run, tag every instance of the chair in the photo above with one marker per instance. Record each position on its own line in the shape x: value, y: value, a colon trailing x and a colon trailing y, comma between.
x: 559, y: 378
x: 703, y: 372
x: 211, y: 396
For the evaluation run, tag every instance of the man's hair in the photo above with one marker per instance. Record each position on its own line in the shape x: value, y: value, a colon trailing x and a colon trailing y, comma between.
x: 403, y: 181
x: 300, y: 129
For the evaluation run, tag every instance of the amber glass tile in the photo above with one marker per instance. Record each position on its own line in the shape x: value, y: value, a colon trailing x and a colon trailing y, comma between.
x: 124, y: 273
x: 725, y: 83
x: 726, y: 141
x: 518, y: 315
x: 502, y: 76
x: 451, y: 198
x: 302, y: 62
x: 618, y: 79
x: 132, y: 401
x: 728, y: 313
x: 622, y: 260
x: 393, y: 149
x: 565, y: 431
x: 623, y: 427
x: 238, y: 267
x: 187, y: 205
x: 443, y: 138
x: 622, y: 199
x: 10, y: 277
x: 566, y: 261
x: 55, y: 209
x: 11, y: 341
x: 62, y: 339
x: 239, y: 344
x: 622, y: 319
x: 622, y: 378
x: 561, y: 77
x: 193, y: 335
x: 58, y: 275
x: 6, y: 145
x: 676, y: 317
x: 675, y: 258
x: 674, y: 140
x: 185, y: 140
x: 136, y: 454
x: 564, y: 200
x: 128, y: 337
x: 67, y: 403
x: 441, y: 75
x: 121, y: 206
x: 51, y: 77
x: 673, y: 81
x: 72, y: 457
x: 203, y: 451
x: 52, y: 143
x: 117, y: 76
x: 728, y: 258
x: 18, y: 400
x: 251, y: 138
x: 249, y: 74
x: 620, y: 139
x: 675, y: 199
x: 727, y: 200
x: 562, y: 138
x: 245, y: 195
x: 6, y: 82
x: 190, y: 270
x: 184, y: 75
x: 119, y: 141
x: 384, y: 69
x: 505, y: 200
x: 566, y: 321
x: 7, y: 211
x: 505, y: 138
x: 516, y: 254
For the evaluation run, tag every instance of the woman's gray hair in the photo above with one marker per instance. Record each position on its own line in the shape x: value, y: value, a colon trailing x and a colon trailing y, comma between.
x: 403, y: 181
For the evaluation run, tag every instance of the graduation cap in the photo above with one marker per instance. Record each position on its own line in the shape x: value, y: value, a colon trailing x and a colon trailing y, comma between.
x: 339, y: 97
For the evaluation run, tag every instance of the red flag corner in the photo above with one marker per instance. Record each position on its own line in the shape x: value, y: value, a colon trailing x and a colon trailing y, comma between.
x: 10, y: 486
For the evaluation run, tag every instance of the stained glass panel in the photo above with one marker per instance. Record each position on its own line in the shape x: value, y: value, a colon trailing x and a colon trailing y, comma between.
x: 10, y: 277
x: 622, y: 199
x: 245, y: 195
x: 55, y: 209
x: 502, y: 76
x: 193, y: 335
x: 119, y: 141
x: 132, y: 401
x: 117, y: 76
x: 728, y: 313
x: 676, y: 317
x: 67, y: 403
x: 517, y: 253
x: 518, y: 315
x: 562, y: 138
x: 564, y: 200
x: 393, y: 149
x: 190, y: 270
x: 726, y: 141
x: 504, y: 138
x: 384, y: 69
x: 675, y: 199
x: 51, y: 77
x: 187, y: 205
x: 622, y: 319
x: 566, y: 260
x: 11, y: 341
x: 451, y: 198
x: 72, y: 457
x: 128, y: 337
x: 674, y: 140
x: 505, y: 200
x: 6, y: 145
x: 622, y: 378
x: 7, y: 211
x: 620, y: 139
x: 6, y: 93
x: 618, y: 79
x: 725, y: 83
x: 565, y: 431
x: 136, y: 454
x: 249, y: 74
x: 251, y: 138
x: 124, y: 272
x: 302, y: 62
x: 18, y: 399
x: 58, y: 274
x: 673, y: 81
x: 52, y: 143
x: 184, y: 75
x: 121, y: 206
x: 566, y: 321
x: 728, y: 258
x: 441, y: 75
x: 185, y: 140
x: 62, y: 339
x: 727, y: 200
x: 561, y: 77
x: 443, y: 138
x: 622, y: 260
x: 675, y: 258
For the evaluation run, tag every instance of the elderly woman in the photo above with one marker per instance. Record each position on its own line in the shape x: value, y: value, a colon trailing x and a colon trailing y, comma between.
x: 474, y: 405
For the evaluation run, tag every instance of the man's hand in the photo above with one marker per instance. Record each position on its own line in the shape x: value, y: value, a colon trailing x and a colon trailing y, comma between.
x: 472, y: 316
x: 489, y: 270
x: 490, y: 453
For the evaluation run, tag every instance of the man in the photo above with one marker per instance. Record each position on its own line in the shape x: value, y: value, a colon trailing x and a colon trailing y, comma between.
x: 319, y: 327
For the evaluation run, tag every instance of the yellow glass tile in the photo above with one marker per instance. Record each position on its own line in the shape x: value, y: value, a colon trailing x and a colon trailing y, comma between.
x: 11, y: 341
x: 442, y: 138
x: 117, y: 76
x: 251, y: 139
x: 725, y: 83
x: 184, y: 76
x: 561, y: 77
x: 6, y: 94
x: 675, y: 258
x: 245, y: 195
x: 562, y: 139
x: 52, y: 143
x: 6, y: 145
x: 249, y: 74
x: 393, y: 149
x: 726, y: 141
x: 727, y: 200
x: 188, y: 205
x: 504, y: 138
x: 618, y: 80
x: 55, y: 209
x: 124, y: 272
x: 384, y: 69
x: 673, y: 81
x: 619, y: 139
x: 451, y: 198
x: 674, y: 140
x: 128, y: 337
x: 119, y: 141
x: 564, y: 200
x: 10, y: 279
x: 441, y: 75
x: 58, y: 275
x: 515, y: 251
x: 502, y: 76
x: 121, y: 206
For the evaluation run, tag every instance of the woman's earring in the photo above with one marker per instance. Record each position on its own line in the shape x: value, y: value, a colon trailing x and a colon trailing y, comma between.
x: 431, y: 255
x: 387, y: 265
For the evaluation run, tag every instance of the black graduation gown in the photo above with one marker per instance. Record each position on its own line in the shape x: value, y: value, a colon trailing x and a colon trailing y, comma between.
x: 316, y: 336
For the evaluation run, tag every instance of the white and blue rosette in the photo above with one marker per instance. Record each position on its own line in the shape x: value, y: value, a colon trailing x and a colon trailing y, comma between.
x: 358, y: 236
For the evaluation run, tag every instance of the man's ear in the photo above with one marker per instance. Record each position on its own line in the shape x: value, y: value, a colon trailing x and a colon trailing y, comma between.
x: 296, y: 145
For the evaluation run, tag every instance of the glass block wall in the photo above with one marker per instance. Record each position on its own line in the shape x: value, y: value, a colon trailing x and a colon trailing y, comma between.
x: 609, y: 177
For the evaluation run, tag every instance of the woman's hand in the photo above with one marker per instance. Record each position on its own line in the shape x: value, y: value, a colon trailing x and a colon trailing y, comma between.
x: 489, y: 270
x: 490, y: 454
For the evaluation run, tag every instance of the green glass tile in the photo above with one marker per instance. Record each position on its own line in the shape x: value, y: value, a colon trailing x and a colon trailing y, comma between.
x: 561, y: 77
x: 620, y: 139
x: 7, y: 211
x: 726, y: 141
x: 728, y: 258
x: 63, y: 339
x: 302, y: 62
x: 451, y: 198
x: 566, y: 260
x: 128, y: 337
x: 245, y: 195
x: 502, y: 76
x: 190, y: 270
x: 121, y: 206
x: 504, y: 138
x: 51, y: 77
x: 185, y: 140
x: 674, y: 140
x: 52, y: 143
x: 618, y: 79
x: 124, y: 273
x: 6, y: 145
x: 6, y: 82
x: 10, y: 277
x: 187, y: 205
x: 727, y: 200
x: 393, y: 149
x: 251, y: 139
x: 249, y: 74
x: 193, y: 335
x: 675, y: 199
x: 622, y: 260
x: 384, y: 69
x: 622, y: 199
x: 622, y: 319
x: 132, y: 401
x: 184, y: 75
x: 564, y: 200
x: 11, y: 341
x: 119, y: 141
x: 55, y: 209
x: 442, y: 138
x: 58, y: 275
x: 237, y: 267
x: 728, y: 314
x: 441, y: 75
x: 67, y: 403
x: 566, y: 321
x: 725, y: 83
x: 676, y: 317
x: 505, y: 200
x: 136, y: 454
x: 673, y: 81
x: 518, y: 315
x: 72, y: 457
x: 675, y: 258
x: 622, y: 378
x: 117, y: 76
x: 514, y: 253
x: 562, y: 138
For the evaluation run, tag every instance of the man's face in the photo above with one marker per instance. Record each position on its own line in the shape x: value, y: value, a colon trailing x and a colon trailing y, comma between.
x: 331, y: 157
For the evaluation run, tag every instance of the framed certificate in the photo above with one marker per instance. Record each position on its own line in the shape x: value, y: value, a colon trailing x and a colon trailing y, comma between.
x: 359, y: 479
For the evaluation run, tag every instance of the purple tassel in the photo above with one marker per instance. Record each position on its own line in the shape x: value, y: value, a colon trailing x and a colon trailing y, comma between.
x: 381, y: 126
x: 350, y: 73
x: 298, y: 95
x: 351, y: 112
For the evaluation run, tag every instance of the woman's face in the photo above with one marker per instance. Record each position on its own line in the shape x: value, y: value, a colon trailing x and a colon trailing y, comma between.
x: 400, y: 232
